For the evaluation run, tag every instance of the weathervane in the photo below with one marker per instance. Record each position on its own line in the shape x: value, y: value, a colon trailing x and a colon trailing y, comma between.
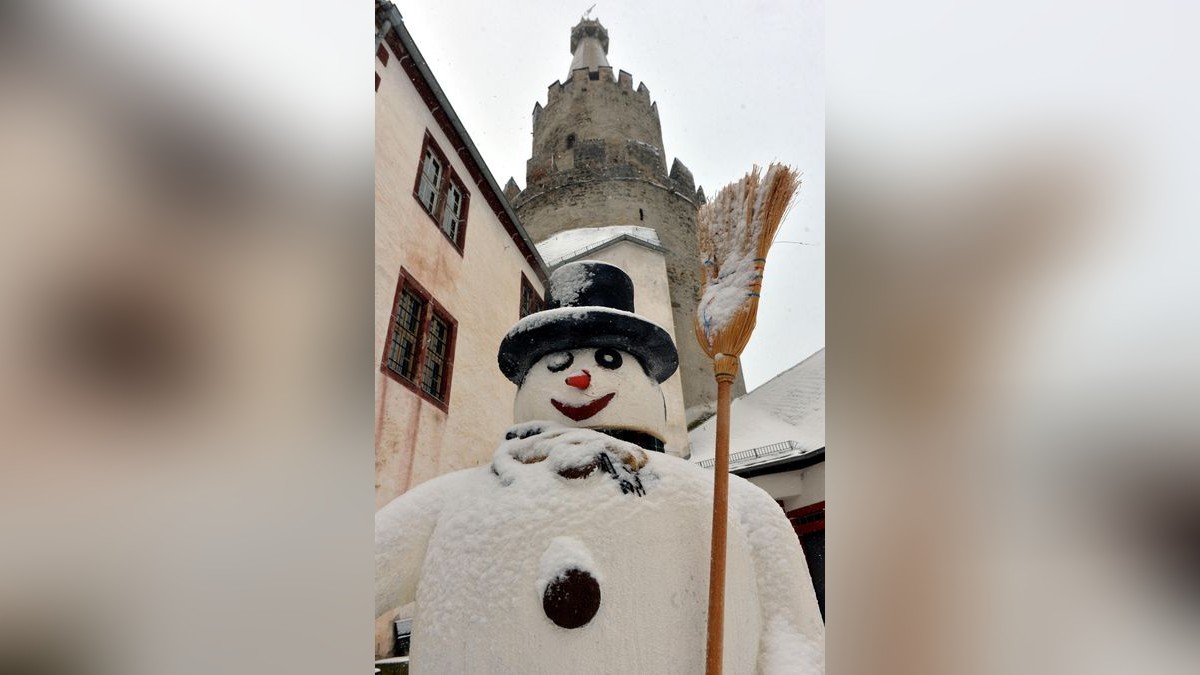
x: 588, y: 13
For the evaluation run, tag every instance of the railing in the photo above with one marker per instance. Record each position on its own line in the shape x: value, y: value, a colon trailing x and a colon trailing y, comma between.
x: 754, y: 453
x: 624, y: 236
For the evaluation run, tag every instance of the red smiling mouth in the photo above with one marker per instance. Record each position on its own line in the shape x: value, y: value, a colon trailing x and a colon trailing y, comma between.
x: 582, y: 412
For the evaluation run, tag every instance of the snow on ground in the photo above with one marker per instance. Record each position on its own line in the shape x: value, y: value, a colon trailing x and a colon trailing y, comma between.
x: 789, y: 407
x: 570, y: 243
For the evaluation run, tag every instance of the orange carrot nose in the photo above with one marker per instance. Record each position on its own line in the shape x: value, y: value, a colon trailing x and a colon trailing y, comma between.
x: 580, y: 380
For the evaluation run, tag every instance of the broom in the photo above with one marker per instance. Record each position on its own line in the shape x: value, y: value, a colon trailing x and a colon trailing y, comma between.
x: 736, y: 229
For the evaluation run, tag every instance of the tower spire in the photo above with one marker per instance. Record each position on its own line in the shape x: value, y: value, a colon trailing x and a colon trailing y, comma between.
x: 589, y: 45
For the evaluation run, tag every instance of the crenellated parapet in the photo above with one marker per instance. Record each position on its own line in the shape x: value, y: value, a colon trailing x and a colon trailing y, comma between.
x: 596, y: 118
x: 596, y: 125
x: 681, y: 178
x: 582, y: 80
x: 511, y: 190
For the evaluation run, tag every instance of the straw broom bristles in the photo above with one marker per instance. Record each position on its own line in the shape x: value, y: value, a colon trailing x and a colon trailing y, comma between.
x: 736, y: 230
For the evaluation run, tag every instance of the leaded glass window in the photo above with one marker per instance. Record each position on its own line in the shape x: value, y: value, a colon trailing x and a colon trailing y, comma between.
x: 402, y: 351
x: 435, y: 357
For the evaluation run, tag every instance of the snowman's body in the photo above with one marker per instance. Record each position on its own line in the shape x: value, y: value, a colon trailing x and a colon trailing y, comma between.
x: 477, y: 548
x: 575, y: 552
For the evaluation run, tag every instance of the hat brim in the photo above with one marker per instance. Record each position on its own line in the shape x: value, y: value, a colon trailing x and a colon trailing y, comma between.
x: 567, y: 328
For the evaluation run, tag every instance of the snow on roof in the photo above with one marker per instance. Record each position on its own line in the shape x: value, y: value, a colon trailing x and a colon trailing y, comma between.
x: 789, y: 407
x: 571, y: 243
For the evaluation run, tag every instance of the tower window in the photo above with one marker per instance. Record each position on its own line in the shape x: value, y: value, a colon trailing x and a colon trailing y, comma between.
x: 441, y: 193
x: 594, y: 75
x: 570, y: 141
x: 641, y: 214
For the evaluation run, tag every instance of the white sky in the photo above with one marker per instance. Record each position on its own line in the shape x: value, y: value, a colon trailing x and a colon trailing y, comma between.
x: 735, y: 84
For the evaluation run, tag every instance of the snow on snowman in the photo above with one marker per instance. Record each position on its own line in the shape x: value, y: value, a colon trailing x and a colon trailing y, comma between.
x: 582, y: 548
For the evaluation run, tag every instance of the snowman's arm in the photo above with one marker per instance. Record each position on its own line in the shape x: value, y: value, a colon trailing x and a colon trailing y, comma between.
x: 402, y: 530
x: 793, y: 637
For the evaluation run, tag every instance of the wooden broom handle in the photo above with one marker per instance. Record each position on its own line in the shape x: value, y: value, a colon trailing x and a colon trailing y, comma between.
x: 726, y: 368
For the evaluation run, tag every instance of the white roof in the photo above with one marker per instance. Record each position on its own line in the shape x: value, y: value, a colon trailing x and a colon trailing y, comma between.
x: 789, y: 407
x: 571, y: 243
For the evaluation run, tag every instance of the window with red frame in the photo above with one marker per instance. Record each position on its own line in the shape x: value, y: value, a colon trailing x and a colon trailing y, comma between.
x: 419, y: 352
x: 441, y: 193
x: 530, y: 300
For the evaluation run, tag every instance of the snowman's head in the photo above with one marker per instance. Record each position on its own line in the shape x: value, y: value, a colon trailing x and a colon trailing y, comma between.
x: 588, y: 360
x: 593, y: 387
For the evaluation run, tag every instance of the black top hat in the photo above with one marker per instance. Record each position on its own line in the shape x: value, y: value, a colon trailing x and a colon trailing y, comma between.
x: 588, y: 304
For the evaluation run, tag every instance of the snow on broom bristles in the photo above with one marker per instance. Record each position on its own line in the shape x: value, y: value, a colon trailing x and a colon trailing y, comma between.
x: 736, y: 229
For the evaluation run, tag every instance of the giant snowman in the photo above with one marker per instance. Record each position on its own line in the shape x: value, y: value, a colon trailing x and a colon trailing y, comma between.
x: 580, y: 549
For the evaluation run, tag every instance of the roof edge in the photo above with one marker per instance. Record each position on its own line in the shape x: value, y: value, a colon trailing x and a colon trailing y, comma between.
x: 783, y: 372
x: 606, y: 244
x: 789, y: 464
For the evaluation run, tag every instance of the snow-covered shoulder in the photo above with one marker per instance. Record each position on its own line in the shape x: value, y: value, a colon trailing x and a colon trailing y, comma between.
x: 794, y: 639
x: 402, y: 530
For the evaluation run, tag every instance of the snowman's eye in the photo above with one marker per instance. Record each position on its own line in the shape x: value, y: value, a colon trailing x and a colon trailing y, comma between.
x: 559, y: 362
x: 608, y: 358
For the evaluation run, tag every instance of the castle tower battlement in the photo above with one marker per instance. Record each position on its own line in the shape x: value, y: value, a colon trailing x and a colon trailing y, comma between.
x: 595, y: 120
x: 598, y: 160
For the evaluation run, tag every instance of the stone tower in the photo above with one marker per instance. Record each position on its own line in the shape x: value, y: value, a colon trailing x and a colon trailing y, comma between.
x: 598, y: 160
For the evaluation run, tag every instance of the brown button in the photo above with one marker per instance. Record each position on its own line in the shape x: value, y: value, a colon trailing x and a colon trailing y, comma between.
x: 572, y: 599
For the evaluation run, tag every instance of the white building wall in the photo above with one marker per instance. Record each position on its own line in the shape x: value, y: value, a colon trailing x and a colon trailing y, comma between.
x: 480, y: 288
x: 651, y: 299
x: 795, y: 489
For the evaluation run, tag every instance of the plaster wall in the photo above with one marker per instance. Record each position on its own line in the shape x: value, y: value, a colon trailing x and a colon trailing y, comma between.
x: 480, y: 288
x: 795, y: 488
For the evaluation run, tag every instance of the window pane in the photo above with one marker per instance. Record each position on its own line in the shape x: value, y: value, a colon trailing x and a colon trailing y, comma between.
x: 436, y: 348
x: 530, y: 302
x: 402, y: 347
x: 452, y: 215
x: 431, y: 175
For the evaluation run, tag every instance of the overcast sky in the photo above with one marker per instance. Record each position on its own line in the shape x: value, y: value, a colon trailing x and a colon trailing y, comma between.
x: 735, y: 84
